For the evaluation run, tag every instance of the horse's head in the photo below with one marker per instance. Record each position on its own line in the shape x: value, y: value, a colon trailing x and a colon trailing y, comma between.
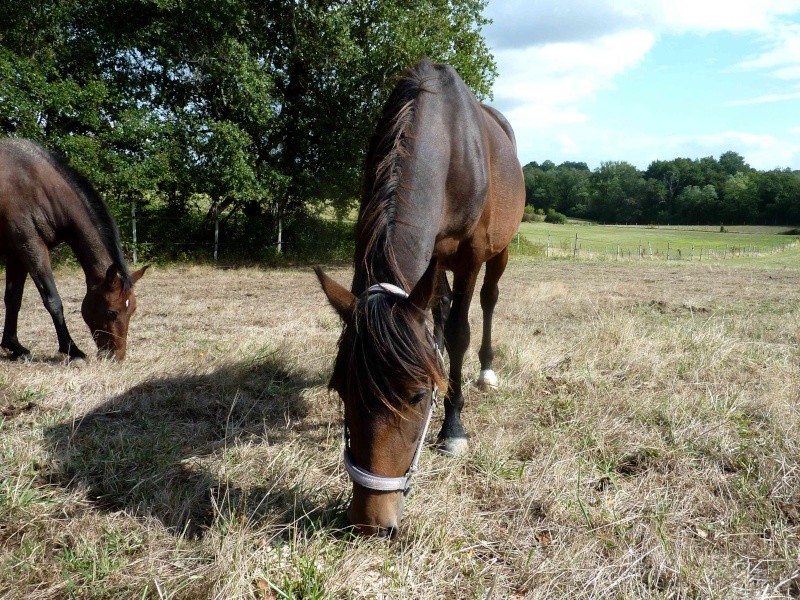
x: 385, y: 372
x: 107, y: 309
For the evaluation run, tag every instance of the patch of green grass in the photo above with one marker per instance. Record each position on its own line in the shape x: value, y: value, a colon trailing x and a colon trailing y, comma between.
x: 681, y: 243
x: 88, y: 562
x: 523, y: 245
x: 304, y: 581
x: 492, y: 463
x: 18, y: 492
x: 28, y: 394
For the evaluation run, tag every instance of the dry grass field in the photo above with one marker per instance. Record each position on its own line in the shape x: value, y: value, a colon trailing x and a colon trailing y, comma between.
x: 644, y: 443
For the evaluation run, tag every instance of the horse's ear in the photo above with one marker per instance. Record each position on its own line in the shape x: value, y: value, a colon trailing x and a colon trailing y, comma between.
x: 422, y: 293
x: 137, y: 275
x: 341, y: 299
x: 113, y: 276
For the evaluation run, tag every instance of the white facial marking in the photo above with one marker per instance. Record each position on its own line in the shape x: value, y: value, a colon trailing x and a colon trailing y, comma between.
x: 127, y: 303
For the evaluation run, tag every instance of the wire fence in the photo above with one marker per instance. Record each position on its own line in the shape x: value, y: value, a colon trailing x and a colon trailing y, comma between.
x: 210, y: 239
x: 151, y: 236
x: 581, y: 247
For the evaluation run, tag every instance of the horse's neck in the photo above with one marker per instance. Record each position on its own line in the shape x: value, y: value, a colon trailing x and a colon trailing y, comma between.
x: 87, y: 244
x: 409, y: 243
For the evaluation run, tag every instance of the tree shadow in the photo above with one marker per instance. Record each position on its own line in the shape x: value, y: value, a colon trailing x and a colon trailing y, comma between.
x: 146, y: 451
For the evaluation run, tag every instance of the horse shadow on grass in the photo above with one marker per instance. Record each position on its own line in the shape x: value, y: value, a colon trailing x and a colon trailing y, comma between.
x: 147, y: 451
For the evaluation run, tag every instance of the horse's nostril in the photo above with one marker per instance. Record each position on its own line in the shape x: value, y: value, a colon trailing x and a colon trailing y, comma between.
x: 387, y: 532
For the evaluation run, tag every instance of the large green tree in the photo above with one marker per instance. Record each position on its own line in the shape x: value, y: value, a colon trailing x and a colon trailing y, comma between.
x: 264, y: 106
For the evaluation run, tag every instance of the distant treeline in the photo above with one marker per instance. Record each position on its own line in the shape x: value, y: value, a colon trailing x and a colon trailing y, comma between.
x: 705, y: 191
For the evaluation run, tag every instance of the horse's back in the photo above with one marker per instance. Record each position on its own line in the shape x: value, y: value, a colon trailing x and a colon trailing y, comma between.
x: 485, y: 185
x: 451, y: 158
x: 26, y: 176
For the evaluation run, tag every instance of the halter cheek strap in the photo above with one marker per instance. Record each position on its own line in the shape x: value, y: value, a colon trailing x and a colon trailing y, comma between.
x: 380, y: 483
x: 365, y: 478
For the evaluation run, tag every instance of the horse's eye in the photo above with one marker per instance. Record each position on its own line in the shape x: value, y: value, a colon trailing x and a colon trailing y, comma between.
x: 418, y: 397
x: 112, y: 314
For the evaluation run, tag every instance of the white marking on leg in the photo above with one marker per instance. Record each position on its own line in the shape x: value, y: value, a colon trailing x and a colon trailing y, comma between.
x: 454, y: 446
x: 487, y: 379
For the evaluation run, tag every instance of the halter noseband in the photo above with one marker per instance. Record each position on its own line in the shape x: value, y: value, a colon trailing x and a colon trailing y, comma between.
x: 373, y: 481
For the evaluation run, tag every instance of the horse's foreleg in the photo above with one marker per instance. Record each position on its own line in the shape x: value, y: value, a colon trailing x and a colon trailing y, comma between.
x: 453, y: 437
x: 46, y: 284
x: 15, y: 284
x: 489, y: 294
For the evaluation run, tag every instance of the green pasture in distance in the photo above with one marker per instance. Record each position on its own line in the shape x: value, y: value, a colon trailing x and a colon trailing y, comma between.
x: 605, y: 239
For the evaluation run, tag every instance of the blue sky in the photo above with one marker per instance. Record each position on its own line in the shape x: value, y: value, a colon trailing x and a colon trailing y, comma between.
x: 640, y: 80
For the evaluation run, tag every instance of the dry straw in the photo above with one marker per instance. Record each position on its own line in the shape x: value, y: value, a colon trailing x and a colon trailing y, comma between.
x: 643, y: 443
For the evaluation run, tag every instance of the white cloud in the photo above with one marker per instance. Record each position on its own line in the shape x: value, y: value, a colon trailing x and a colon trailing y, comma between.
x: 594, y: 145
x: 555, y: 56
x: 704, y: 16
x: 522, y: 23
x: 764, y: 99
x: 782, y: 56
x: 542, y: 86
x: 761, y: 151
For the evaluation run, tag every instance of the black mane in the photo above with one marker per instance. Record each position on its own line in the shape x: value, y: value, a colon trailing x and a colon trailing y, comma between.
x: 382, y: 347
x: 98, y: 211
x: 391, y: 143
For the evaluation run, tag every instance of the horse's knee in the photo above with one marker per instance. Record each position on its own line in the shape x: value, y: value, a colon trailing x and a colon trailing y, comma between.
x: 54, y: 305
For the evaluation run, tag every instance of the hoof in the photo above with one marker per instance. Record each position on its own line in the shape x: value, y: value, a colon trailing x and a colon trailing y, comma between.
x: 21, y: 356
x: 73, y: 353
x: 16, y: 351
x: 454, y: 446
x: 487, y: 380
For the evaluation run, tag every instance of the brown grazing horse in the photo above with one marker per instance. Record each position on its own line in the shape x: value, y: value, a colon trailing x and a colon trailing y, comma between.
x: 443, y: 191
x: 44, y: 202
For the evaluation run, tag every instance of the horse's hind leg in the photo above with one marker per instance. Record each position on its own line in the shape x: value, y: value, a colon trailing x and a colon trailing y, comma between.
x: 490, y: 291
x: 46, y: 284
x: 441, y: 308
x: 15, y: 284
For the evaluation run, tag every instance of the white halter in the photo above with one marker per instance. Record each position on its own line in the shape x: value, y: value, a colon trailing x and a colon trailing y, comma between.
x: 373, y: 481
x: 388, y: 288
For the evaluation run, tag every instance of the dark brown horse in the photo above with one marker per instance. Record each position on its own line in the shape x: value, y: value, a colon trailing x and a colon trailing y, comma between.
x: 44, y: 202
x: 443, y: 191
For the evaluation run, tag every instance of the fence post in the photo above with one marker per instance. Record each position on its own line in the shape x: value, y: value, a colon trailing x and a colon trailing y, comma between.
x: 669, y: 245
x: 133, y: 230
x: 547, y: 252
x: 280, y: 233
x: 691, y: 256
x: 575, y: 248
x: 216, y: 233
x: 518, y: 241
x: 640, y: 249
